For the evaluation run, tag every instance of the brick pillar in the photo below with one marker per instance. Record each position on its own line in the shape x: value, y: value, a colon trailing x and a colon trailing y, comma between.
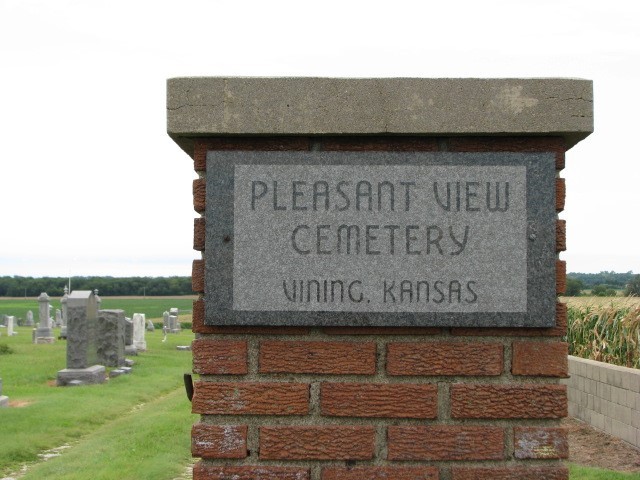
x: 291, y: 402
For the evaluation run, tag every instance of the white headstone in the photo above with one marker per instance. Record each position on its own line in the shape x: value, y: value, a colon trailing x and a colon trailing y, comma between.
x: 29, y: 320
x: 10, y: 321
x: 139, y: 324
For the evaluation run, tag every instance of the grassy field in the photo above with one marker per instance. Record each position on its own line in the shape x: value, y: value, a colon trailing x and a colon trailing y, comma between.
x: 134, y: 426
x: 152, y: 307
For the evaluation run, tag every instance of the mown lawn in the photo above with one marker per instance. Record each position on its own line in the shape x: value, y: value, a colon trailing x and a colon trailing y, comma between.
x: 132, y: 427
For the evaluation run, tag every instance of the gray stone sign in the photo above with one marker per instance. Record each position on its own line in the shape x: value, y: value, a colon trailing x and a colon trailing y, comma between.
x: 385, y: 239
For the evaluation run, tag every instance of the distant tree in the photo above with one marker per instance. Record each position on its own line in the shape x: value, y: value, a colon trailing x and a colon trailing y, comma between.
x: 603, y: 291
x: 633, y: 287
x: 574, y: 287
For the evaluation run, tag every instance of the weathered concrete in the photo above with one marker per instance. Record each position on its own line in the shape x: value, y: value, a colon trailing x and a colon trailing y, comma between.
x: 206, y: 106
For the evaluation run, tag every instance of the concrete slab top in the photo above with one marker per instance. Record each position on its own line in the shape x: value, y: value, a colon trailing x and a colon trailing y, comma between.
x: 219, y: 106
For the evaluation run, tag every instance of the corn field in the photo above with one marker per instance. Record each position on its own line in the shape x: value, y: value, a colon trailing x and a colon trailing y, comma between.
x: 605, y: 332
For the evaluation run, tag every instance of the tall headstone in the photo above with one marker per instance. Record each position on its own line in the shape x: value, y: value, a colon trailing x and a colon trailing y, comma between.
x: 110, y: 337
x: 165, y: 322
x: 4, y: 400
x: 174, y: 320
x: 82, y: 351
x: 65, y: 314
x: 129, y: 347
x: 29, y: 320
x: 58, y: 318
x: 10, y: 324
x: 98, y: 299
x: 139, y: 325
x: 44, y: 332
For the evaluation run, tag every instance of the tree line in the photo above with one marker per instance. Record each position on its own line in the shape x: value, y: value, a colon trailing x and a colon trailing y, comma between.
x: 107, y: 286
x: 603, y: 284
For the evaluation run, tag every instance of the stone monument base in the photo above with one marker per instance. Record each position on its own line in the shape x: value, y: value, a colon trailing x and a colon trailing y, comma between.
x: 45, y: 340
x: 130, y: 350
x: 88, y: 376
x: 140, y: 346
x: 4, y: 401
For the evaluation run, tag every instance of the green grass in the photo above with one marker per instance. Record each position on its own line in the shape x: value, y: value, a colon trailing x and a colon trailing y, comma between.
x: 579, y: 472
x: 152, y: 307
x: 141, y: 421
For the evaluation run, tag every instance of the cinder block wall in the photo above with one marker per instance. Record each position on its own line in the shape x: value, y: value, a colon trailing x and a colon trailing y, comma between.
x: 378, y: 403
x: 605, y: 396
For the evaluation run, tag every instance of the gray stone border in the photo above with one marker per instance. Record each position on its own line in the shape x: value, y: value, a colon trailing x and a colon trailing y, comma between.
x: 541, y: 220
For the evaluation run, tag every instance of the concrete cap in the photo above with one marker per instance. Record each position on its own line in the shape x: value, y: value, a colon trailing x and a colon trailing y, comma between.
x: 218, y: 106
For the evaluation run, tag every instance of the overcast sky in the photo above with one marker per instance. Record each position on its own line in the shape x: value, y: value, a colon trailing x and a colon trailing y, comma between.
x: 90, y: 183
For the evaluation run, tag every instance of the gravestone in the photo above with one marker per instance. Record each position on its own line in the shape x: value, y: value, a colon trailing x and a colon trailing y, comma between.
x: 150, y: 326
x: 110, y: 337
x: 139, y: 324
x: 129, y: 347
x: 58, y: 320
x: 174, y: 321
x: 44, y: 332
x: 29, y: 320
x: 165, y: 321
x: 10, y: 324
x: 82, y: 349
x: 4, y: 400
x: 65, y: 315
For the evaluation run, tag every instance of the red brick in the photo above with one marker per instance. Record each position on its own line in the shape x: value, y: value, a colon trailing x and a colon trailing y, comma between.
x: 199, y: 227
x: 381, y: 330
x: 380, y: 473
x: 561, y: 194
x: 531, y: 472
x: 395, y: 400
x: 252, y: 398
x: 219, y: 441
x: 445, y: 442
x: 508, y: 401
x: 540, y: 359
x: 219, y: 357
x: 444, y: 358
x: 318, y: 357
x: 561, y: 235
x: 199, y: 195
x: 561, y: 277
x: 380, y: 144
x: 558, y: 331
x: 197, y: 276
x: 202, y: 145
x: 540, y: 442
x: 198, y: 326
x: 204, y: 471
x: 335, y: 442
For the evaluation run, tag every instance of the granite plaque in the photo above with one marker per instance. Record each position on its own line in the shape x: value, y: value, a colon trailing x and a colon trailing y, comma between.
x: 380, y: 239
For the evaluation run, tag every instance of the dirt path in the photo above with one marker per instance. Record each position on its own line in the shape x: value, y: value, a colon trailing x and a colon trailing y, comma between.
x: 590, y: 447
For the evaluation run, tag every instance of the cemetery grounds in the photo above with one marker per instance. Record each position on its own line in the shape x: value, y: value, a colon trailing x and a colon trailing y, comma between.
x: 138, y: 426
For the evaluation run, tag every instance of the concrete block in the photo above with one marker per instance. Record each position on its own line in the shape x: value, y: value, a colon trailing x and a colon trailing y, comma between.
x: 608, y: 427
x: 597, y: 420
x: 634, y: 383
x: 635, y: 418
